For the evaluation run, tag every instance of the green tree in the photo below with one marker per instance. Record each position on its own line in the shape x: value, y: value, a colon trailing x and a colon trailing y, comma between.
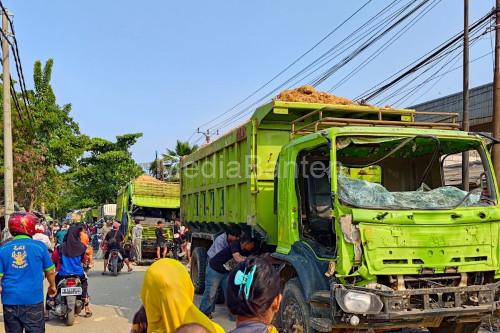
x: 173, y: 157
x: 46, y: 141
x: 105, y: 168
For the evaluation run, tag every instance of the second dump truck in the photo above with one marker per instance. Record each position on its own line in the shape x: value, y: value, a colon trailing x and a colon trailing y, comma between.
x: 356, y: 206
x: 148, y: 200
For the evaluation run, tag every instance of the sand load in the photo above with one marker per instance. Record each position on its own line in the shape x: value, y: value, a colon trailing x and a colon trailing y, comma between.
x: 308, y: 94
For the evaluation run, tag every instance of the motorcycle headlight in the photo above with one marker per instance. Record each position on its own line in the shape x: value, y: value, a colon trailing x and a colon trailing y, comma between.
x: 359, y: 302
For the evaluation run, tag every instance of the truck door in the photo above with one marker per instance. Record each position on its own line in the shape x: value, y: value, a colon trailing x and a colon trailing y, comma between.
x: 314, y: 196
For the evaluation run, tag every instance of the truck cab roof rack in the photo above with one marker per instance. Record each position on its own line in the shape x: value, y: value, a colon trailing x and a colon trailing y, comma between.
x: 328, y: 116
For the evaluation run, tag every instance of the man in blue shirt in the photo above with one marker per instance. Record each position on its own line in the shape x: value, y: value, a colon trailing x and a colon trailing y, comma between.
x: 216, y: 275
x: 222, y: 241
x: 22, y: 261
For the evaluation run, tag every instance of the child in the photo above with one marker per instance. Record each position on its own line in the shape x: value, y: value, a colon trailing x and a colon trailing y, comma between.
x: 253, y: 296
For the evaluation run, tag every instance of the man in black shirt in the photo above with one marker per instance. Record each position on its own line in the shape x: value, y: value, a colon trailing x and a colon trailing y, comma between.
x: 217, y: 274
x: 161, y: 242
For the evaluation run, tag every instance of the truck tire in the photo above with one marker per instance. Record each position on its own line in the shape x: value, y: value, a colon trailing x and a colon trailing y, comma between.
x: 294, y: 310
x: 456, y: 328
x: 198, y: 269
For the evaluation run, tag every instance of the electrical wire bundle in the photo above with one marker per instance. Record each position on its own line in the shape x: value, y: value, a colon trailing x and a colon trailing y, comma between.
x: 383, y: 28
x: 397, y: 89
x: 19, y: 70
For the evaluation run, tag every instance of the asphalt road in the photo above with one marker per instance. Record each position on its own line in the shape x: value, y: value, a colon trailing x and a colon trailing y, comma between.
x: 114, y: 302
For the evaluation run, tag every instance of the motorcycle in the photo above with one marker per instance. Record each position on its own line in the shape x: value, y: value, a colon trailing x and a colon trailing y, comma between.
x: 174, y: 247
x: 115, y: 262
x: 68, y: 301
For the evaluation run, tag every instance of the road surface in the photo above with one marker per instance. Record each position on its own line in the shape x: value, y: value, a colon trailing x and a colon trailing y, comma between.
x: 114, y: 302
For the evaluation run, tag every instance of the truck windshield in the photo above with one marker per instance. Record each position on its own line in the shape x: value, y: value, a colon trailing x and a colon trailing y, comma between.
x: 419, y: 172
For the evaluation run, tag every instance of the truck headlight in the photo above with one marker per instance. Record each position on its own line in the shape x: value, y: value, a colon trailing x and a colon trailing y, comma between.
x: 359, y: 302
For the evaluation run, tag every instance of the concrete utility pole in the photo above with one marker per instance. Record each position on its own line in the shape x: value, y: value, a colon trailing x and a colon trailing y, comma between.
x: 496, y: 94
x: 7, y: 129
x: 465, y: 115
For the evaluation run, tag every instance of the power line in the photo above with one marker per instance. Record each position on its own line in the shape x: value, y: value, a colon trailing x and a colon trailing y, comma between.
x: 400, y: 92
x: 384, y: 47
x: 333, y: 69
x: 377, y: 19
x: 377, y: 91
x: 17, y: 59
x: 433, y: 63
x: 291, y: 64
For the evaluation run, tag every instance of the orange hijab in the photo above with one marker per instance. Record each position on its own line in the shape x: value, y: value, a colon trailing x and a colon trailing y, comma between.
x: 84, y: 238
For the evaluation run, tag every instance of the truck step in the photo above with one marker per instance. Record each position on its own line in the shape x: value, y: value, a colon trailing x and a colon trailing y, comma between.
x: 321, y: 324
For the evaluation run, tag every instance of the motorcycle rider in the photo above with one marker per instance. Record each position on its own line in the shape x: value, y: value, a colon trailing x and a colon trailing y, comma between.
x: 22, y: 261
x: 42, y: 237
x: 114, y: 241
x: 69, y: 257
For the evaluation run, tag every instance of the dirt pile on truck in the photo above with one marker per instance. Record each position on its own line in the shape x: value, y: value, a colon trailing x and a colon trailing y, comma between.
x: 308, y: 94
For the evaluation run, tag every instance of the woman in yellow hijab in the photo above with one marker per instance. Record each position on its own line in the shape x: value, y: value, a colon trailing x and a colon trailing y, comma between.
x: 167, y: 295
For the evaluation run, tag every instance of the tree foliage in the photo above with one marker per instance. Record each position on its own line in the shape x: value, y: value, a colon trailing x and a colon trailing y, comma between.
x: 45, y: 141
x: 55, y: 166
x: 106, y: 168
x: 171, y: 160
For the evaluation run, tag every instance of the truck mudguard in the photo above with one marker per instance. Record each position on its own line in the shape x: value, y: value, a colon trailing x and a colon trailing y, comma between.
x: 309, y: 268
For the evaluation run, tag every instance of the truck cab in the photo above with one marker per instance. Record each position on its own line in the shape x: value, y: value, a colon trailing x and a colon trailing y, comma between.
x: 392, y: 232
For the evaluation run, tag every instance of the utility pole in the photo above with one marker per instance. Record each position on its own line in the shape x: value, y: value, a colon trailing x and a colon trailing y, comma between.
x: 496, y: 94
x: 206, y: 134
x: 7, y: 129
x: 465, y: 94
x: 159, y: 173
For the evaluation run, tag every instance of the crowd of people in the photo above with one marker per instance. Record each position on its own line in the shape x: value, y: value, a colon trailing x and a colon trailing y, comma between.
x: 57, y: 250
x: 250, y: 283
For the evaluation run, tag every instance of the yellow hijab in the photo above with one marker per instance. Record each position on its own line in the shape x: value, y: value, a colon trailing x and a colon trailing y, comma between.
x: 167, y: 295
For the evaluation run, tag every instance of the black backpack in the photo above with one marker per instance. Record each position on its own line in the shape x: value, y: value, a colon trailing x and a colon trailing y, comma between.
x: 112, y: 241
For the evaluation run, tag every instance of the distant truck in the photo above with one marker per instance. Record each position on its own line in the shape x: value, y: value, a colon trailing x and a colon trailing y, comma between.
x: 107, y: 211
x: 148, y: 200
x: 355, y: 206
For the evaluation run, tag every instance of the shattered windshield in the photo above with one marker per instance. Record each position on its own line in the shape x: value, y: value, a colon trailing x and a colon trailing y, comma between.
x: 420, y: 172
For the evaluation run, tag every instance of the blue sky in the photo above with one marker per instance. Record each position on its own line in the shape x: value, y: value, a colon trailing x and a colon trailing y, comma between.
x: 165, y: 67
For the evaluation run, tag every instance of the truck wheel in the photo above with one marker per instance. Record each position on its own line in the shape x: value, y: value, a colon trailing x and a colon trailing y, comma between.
x: 294, y: 310
x: 456, y: 328
x: 198, y: 269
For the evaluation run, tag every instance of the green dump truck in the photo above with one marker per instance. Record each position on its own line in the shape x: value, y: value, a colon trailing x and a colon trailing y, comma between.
x: 356, y: 206
x: 148, y: 200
